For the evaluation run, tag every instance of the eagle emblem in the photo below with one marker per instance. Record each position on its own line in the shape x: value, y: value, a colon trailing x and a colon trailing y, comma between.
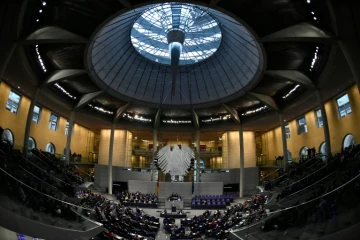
x: 175, y: 161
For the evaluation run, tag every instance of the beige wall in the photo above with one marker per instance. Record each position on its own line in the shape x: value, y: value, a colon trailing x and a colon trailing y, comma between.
x: 120, y: 155
x: 41, y: 132
x: 234, y: 149
x: 339, y: 127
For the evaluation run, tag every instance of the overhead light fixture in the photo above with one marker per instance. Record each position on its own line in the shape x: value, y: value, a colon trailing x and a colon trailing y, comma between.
x: 39, y: 58
x: 100, y: 109
x: 216, y: 119
x: 44, y: 3
x: 64, y: 91
x: 291, y: 91
x: 177, y: 121
x: 40, y: 10
x: 315, y: 58
x: 136, y: 117
x: 254, y: 111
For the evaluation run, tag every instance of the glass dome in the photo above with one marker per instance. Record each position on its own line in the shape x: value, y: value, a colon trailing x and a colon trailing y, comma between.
x: 149, y: 34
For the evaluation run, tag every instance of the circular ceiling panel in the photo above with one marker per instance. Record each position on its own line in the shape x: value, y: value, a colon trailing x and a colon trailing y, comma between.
x: 219, y: 59
x: 149, y: 34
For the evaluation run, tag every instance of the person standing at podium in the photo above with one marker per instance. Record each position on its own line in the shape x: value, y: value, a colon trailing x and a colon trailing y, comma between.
x: 173, y: 207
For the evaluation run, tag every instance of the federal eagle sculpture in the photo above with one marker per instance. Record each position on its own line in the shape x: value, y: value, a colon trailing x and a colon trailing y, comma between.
x: 175, y: 161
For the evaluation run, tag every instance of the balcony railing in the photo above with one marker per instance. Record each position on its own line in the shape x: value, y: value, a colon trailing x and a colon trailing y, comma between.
x: 270, y: 163
x: 142, y: 152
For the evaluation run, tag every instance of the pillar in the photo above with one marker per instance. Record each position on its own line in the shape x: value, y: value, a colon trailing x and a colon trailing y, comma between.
x: 111, y: 148
x: 68, y: 138
x: 197, y: 156
x: 154, y: 142
x: 29, y: 121
x: 284, y: 141
x: 153, y: 170
x: 325, y: 124
x: 351, y: 51
x: 241, y: 141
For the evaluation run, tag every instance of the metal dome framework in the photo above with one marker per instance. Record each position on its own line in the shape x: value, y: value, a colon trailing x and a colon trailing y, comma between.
x: 224, y: 68
x: 149, y: 34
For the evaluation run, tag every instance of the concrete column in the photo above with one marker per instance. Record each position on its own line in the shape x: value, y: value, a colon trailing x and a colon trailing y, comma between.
x: 325, y: 124
x: 242, y: 156
x: 154, y: 142
x: 284, y: 141
x: 111, y: 149
x: 153, y: 170
x: 198, y: 155
x: 68, y: 138
x: 127, y: 162
x: 29, y: 121
x: 7, y: 50
x: 351, y: 51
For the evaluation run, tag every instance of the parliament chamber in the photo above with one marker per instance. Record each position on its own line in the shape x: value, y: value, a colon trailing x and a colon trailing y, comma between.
x: 208, y: 119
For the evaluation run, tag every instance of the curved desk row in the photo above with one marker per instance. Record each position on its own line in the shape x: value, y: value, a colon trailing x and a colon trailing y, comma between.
x: 173, y: 215
x: 140, y: 205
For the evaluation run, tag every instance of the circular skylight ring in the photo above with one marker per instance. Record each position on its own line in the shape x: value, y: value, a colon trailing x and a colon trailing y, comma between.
x: 202, y: 33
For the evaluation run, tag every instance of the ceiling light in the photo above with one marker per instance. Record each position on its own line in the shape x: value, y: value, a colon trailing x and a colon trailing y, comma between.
x: 308, y: 1
x: 44, y: 3
x: 312, y: 13
x: 37, y: 20
x: 291, y: 91
x: 315, y: 18
x: 40, y: 10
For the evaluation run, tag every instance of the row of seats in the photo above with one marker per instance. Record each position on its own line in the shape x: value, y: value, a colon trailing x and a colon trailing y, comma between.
x: 217, y: 224
x: 231, y: 196
x: 210, y: 204
x: 57, y: 166
x: 121, y: 221
x: 136, y: 197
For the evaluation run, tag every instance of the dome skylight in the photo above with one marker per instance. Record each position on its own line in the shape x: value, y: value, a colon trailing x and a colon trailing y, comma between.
x: 201, y: 33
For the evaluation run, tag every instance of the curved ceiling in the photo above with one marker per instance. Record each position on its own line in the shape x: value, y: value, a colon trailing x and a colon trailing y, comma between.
x: 115, y: 62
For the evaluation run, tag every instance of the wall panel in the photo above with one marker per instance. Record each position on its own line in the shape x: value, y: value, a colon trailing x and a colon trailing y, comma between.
x: 119, y: 150
x: 338, y: 127
x: 40, y: 131
x: 234, y: 149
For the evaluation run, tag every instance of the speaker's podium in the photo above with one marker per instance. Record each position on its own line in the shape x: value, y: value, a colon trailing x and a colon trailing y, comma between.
x: 177, y: 204
x: 173, y: 208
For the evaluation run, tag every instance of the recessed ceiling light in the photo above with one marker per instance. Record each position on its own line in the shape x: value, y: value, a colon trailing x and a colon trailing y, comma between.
x: 37, y: 20
x: 44, y: 3
x: 40, y: 10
